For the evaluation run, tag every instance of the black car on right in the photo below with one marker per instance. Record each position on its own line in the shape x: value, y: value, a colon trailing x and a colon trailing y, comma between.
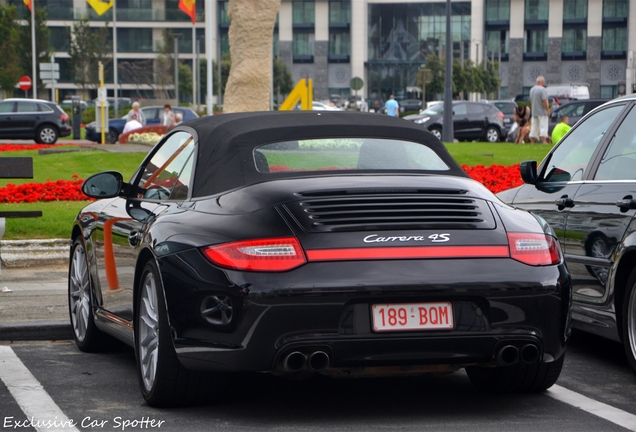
x: 586, y: 189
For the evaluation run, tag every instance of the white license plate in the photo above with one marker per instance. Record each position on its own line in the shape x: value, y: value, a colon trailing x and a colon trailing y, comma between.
x: 412, y: 316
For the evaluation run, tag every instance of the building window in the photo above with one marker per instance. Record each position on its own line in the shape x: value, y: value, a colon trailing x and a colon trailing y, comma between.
x: 59, y: 38
x: 497, y: 41
x: 614, y: 42
x: 609, y: 91
x: 536, y: 42
x: 615, y: 8
x: 135, y: 40
x: 339, y: 12
x: 304, y: 13
x: 339, y: 47
x: 303, y: 47
x: 575, y: 10
x: 224, y: 19
x: 497, y: 10
x: 574, y: 43
x: 537, y: 10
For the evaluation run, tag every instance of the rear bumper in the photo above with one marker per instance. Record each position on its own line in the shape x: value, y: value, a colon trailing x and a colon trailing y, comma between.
x: 327, y: 307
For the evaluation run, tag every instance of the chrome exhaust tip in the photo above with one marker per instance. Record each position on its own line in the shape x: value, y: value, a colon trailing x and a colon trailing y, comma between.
x: 318, y: 361
x: 294, y: 361
x: 508, y: 355
x: 529, y: 354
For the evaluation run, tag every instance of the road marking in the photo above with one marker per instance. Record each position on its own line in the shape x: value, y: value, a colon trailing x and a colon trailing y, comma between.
x: 40, y: 410
x: 599, y: 409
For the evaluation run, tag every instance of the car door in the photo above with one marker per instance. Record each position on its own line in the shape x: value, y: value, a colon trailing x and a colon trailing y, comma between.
x: 603, y: 208
x: 152, y: 116
x: 6, y: 119
x: 460, y: 120
x: 26, y: 116
x: 124, y: 221
x: 563, y: 171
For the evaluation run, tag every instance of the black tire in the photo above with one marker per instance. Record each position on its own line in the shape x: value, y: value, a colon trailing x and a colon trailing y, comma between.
x: 437, y: 131
x: 535, y: 377
x: 628, y: 320
x: 87, y: 336
x: 112, y: 136
x: 46, y: 134
x: 492, y: 134
x: 163, y: 380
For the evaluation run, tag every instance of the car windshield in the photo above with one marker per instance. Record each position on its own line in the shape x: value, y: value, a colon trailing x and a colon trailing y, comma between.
x: 434, y: 109
x: 331, y: 154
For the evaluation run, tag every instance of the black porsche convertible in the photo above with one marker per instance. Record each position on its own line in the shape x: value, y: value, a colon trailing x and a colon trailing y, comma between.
x: 314, y: 243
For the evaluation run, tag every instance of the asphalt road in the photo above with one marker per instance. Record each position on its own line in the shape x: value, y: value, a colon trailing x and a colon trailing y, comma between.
x: 100, y: 392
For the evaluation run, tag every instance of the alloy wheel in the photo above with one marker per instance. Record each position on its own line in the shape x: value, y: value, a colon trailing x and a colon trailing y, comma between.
x: 48, y: 135
x: 148, y: 331
x: 79, y: 294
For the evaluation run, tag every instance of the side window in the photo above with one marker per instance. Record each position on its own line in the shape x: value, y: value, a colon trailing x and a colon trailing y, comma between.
x: 6, y: 107
x: 27, y: 107
x: 569, y: 160
x: 44, y: 108
x: 150, y: 113
x: 573, y: 110
x: 182, y: 186
x: 459, y: 109
x: 475, y: 108
x: 619, y: 160
x: 162, y: 173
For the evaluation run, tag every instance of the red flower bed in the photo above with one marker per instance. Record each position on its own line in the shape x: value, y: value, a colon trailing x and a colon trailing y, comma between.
x: 60, y: 190
x: 23, y: 147
x: 496, y: 178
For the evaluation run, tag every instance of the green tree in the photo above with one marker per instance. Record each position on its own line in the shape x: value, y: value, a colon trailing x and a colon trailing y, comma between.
x: 491, y: 78
x: 283, y: 83
x: 459, y: 78
x: 88, y: 47
x: 434, y: 63
x: 10, y: 52
x: 185, y: 80
x: 41, y: 43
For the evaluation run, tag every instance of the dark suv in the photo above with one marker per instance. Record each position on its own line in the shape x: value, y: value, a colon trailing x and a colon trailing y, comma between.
x: 575, y: 110
x: 471, y: 121
x: 40, y: 120
x: 586, y: 189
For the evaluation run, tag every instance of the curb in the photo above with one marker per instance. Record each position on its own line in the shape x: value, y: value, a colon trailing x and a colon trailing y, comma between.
x: 28, y: 253
x: 36, y: 330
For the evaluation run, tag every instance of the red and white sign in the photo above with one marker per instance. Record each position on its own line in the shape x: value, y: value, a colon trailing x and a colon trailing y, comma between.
x: 25, y: 83
x: 412, y: 316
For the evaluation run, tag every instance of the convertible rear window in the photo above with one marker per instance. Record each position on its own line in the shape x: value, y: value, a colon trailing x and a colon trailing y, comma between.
x: 346, y: 154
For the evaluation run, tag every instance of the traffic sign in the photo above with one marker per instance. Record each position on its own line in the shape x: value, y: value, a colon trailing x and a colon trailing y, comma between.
x: 25, y: 83
x: 356, y: 83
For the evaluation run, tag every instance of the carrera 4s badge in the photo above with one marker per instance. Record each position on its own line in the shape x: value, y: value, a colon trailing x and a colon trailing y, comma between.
x: 435, y: 238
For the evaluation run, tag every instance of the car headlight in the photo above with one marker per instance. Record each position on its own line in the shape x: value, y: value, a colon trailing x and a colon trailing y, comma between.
x: 422, y: 120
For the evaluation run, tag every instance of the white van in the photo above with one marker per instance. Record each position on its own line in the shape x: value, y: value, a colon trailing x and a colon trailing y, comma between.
x: 569, y: 91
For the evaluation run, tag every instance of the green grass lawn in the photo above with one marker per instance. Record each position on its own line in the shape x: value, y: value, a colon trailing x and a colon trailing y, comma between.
x: 58, y: 216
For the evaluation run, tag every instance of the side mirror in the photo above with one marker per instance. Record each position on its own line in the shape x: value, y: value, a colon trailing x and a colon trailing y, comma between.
x: 107, y: 184
x: 528, y: 170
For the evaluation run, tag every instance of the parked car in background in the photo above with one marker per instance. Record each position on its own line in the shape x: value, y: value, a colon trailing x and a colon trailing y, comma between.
x: 321, y: 106
x: 338, y: 100
x: 40, y: 120
x: 586, y: 189
x: 235, y: 249
x: 507, y: 107
x: 66, y: 103
x: 471, y: 121
x: 568, y: 91
x: 153, y: 114
x: 575, y: 111
x: 410, y: 105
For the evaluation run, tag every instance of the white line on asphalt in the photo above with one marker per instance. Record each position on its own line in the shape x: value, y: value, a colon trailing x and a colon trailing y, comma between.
x: 40, y: 410
x: 599, y: 409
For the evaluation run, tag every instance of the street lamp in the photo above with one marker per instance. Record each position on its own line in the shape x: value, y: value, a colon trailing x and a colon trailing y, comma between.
x: 176, y: 66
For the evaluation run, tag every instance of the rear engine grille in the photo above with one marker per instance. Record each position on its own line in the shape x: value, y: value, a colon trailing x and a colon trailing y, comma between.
x: 330, y: 212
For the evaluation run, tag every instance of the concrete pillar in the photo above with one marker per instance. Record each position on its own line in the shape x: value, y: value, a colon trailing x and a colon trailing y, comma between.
x: 321, y: 51
x: 555, y: 42
x: 359, y: 40
x: 285, y: 33
x: 594, y: 45
x: 477, y: 29
x: 515, y: 54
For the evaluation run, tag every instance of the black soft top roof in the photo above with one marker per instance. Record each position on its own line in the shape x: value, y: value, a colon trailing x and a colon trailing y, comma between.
x: 225, y: 158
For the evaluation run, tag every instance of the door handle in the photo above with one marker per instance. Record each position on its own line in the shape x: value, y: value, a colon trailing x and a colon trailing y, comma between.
x: 627, y: 203
x: 564, y: 202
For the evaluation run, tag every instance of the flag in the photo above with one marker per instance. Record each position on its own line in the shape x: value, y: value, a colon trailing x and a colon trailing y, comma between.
x: 101, y: 6
x: 29, y: 4
x: 190, y: 9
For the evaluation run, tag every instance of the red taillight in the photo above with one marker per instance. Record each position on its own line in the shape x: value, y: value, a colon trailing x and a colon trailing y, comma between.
x: 64, y: 117
x: 534, y: 249
x: 500, y: 115
x: 268, y: 255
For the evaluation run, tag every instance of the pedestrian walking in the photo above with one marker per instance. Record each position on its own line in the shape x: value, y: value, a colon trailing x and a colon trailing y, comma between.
x: 392, y: 107
x: 540, y: 112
